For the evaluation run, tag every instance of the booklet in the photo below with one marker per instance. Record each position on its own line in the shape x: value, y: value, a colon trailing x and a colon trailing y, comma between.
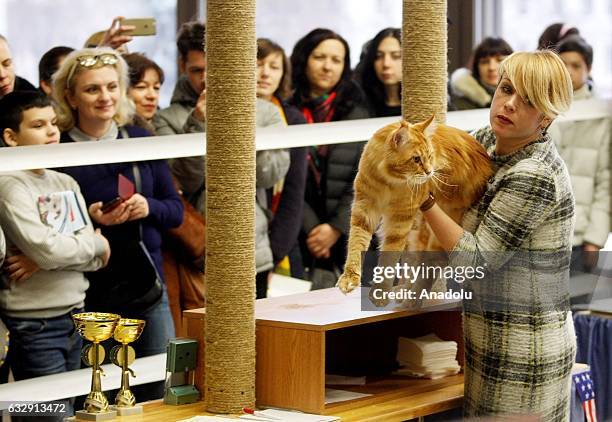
x: 62, y: 212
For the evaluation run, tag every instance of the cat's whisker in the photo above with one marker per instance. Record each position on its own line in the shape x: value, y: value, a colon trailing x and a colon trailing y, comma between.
x: 441, y: 188
x: 438, y: 178
x: 443, y: 176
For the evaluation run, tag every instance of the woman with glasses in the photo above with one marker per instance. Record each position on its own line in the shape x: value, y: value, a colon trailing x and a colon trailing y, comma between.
x: 92, y: 105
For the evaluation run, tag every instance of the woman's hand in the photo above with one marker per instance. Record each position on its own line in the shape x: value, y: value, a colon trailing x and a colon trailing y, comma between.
x: 139, y: 207
x: 115, y: 37
x: 19, y: 267
x: 321, y: 239
x: 117, y: 216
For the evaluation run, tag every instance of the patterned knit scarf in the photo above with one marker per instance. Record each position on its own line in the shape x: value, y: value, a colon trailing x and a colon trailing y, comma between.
x: 320, y: 109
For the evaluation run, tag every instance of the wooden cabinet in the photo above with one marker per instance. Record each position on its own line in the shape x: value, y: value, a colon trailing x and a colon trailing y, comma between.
x: 302, y: 337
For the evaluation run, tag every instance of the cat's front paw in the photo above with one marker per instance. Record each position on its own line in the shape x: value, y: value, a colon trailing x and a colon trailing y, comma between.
x: 348, y: 282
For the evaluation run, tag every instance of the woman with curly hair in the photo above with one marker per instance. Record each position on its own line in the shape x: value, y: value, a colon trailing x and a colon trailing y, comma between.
x: 380, y: 73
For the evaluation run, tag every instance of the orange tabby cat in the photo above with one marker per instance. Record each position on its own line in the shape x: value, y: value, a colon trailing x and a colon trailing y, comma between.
x: 399, y: 166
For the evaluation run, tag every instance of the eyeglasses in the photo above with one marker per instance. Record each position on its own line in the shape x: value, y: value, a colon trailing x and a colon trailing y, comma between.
x: 90, y: 61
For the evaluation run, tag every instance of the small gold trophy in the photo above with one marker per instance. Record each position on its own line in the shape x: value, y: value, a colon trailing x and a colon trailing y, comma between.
x: 127, y: 331
x: 95, y: 327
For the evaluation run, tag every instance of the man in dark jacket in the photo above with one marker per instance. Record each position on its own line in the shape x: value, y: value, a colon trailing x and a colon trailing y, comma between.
x: 9, y: 82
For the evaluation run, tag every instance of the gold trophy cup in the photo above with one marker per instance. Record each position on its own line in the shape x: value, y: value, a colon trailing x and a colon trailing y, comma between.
x: 95, y: 327
x: 127, y: 331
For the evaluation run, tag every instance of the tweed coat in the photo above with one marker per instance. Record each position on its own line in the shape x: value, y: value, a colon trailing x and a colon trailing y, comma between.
x: 519, y: 340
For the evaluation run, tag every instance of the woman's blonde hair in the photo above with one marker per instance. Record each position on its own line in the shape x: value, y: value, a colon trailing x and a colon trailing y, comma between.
x: 63, y: 83
x: 540, y: 78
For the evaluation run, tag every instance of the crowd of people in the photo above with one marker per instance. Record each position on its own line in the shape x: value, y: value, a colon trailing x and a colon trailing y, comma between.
x: 54, y: 267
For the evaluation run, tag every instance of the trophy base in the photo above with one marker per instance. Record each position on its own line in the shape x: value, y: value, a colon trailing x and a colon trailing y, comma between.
x: 127, y: 411
x: 82, y: 415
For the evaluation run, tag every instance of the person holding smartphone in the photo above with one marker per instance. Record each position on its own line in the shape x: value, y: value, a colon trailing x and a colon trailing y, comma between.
x: 90, y: 92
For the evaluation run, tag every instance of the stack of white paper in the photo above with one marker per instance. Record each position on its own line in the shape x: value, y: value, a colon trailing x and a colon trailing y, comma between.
x: 427, y: 357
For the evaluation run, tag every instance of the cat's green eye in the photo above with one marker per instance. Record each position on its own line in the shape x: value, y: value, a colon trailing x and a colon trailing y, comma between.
x: 416, y: 159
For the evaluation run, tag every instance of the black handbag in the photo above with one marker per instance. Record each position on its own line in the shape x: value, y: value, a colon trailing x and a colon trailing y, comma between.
x: 130, y: 284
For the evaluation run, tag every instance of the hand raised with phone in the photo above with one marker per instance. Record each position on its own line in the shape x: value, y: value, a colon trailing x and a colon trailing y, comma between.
x: 122, y: 31
x: 117, y: 35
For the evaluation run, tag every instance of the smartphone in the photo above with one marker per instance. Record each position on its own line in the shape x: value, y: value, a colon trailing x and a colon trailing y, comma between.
x: 111, y: 205
x: 143, y: 26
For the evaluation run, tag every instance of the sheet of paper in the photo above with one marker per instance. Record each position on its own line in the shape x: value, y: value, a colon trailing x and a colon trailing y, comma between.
x: 280, y: 285
x: 289, y: 416
x: 208, y: 419
x: 335, y: 396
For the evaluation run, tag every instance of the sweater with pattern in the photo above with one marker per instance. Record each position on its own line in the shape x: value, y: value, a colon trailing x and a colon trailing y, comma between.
x: 59, y: 285
x: 519, y: 340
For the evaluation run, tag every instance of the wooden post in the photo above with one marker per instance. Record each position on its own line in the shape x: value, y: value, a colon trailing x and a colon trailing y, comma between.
x: 424, y: 60
x: 230, y: 206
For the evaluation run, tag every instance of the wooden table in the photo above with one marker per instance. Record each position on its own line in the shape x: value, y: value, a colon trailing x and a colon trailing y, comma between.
x: 449, y: 395
x: 302, y: 337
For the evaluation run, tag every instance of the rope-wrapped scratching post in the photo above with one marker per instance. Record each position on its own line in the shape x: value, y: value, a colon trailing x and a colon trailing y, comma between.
x: 230, y: 206
x: 424, y: 62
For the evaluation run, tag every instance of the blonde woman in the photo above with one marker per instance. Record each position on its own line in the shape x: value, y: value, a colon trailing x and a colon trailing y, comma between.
x: 519, y: 338
x: 90, y: 91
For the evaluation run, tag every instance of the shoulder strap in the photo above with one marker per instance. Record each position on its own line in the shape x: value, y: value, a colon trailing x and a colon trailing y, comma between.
x: 124, y: 133
x: 138, y: 183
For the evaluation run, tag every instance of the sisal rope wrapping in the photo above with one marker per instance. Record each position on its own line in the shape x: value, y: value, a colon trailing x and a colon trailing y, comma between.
x: 424, y: 60
x: 230, y: 206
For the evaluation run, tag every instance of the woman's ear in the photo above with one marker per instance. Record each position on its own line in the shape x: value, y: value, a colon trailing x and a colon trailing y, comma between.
x: 10, y: 137
x: 70, y: 99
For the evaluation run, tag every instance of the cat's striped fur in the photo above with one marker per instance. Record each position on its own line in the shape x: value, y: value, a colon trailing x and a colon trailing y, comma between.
x: 399, y: 166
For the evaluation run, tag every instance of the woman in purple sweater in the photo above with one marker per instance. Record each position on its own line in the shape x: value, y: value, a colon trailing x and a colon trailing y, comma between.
x: 90, y: 91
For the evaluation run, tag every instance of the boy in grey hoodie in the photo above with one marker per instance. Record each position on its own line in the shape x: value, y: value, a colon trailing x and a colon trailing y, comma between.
x: 50, y: 243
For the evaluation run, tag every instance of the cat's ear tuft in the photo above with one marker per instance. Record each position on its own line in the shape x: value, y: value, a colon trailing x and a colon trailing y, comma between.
x: 400, y: 137
x: 429, y: 126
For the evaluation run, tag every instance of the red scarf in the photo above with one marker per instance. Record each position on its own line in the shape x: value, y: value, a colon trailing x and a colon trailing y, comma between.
x: 322, y: 111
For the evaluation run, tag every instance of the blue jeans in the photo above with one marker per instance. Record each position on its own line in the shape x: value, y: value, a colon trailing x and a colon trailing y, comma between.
x: 157, y: 332
x: 43, y: 346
